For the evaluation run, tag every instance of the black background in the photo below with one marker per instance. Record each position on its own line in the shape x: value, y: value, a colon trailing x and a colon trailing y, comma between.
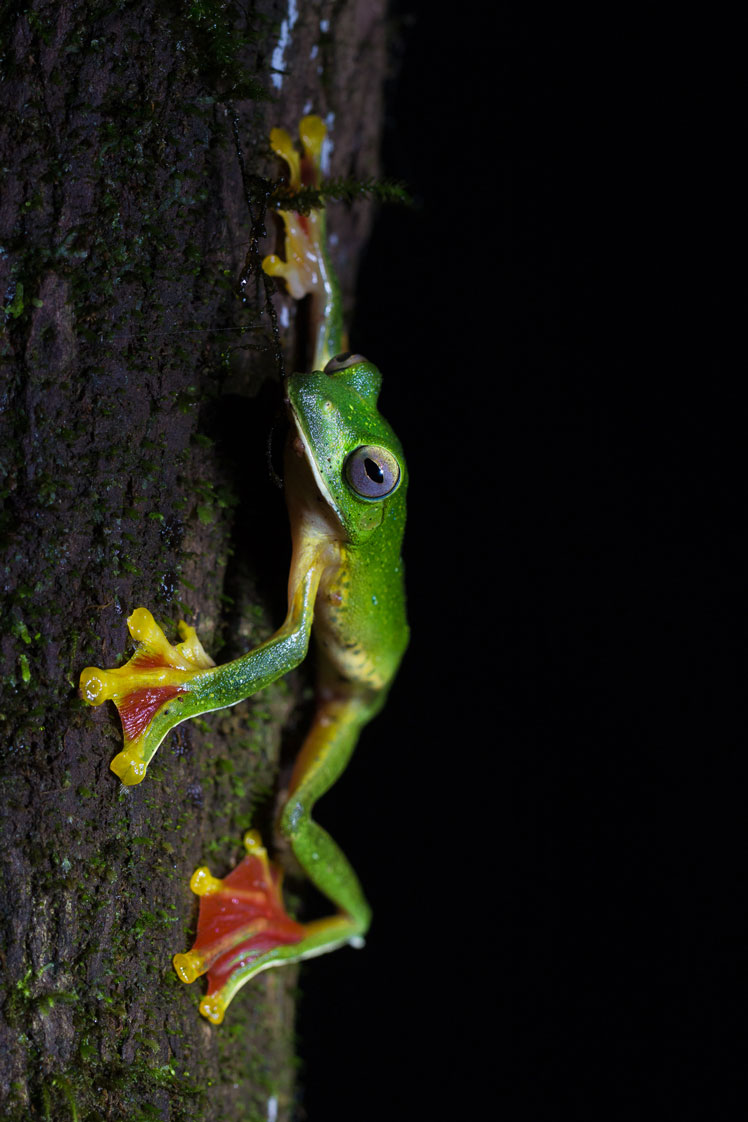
x: 546, y: 816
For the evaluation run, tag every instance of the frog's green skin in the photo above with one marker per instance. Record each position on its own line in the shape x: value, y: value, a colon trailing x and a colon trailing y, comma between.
x: 346, y: 581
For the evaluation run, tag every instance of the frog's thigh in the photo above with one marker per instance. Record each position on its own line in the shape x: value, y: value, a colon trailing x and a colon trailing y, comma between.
x: 323, y: 757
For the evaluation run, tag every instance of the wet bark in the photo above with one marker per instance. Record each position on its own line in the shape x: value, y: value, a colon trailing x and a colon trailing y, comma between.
x: 139, y: 381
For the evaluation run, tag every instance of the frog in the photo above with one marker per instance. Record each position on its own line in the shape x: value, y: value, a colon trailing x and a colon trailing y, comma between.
x: 345, y: 481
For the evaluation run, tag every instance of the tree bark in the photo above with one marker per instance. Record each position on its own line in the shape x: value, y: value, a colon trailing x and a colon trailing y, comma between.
x: 140, y: 377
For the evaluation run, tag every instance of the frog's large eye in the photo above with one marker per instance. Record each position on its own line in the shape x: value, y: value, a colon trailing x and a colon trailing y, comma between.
x: 342, y: 362
x: 372, y: 472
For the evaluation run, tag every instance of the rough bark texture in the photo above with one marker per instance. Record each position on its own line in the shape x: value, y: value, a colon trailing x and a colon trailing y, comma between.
x: 139, y: 381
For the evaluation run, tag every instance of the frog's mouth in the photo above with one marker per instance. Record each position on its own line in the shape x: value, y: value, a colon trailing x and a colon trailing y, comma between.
x: 301, y: 447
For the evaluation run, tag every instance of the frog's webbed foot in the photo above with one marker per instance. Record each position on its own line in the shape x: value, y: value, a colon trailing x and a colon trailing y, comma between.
x: 242, y: 928
x: 304, y: 233
x: 147, y: 690
x: 307, y: 270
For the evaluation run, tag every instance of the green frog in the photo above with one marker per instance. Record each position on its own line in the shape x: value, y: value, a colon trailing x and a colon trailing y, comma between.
x: 345, y: 483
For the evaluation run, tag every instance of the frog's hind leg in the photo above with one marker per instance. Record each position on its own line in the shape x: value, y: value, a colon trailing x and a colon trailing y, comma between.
x: 307, y: 269
x: 243, y: 927
x: 323, y: 757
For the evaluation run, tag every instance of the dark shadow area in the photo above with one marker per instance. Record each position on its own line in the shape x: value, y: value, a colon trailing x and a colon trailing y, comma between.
x: 541, y: 815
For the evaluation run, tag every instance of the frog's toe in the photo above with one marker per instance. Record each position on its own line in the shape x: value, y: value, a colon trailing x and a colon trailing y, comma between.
x: 214, y: 1007
x: 129, y: 766
x: 304, y: 170
x: 188, y: 966
x: 300, y: 277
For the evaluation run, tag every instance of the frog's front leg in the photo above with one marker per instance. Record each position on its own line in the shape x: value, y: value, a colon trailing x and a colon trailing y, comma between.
x: 243, y: 928
x: 163, y: 685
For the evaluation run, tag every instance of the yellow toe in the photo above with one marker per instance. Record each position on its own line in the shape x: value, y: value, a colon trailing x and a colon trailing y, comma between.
x: 203, y: 883
x: 213, y: 1009
x: 130, y: 768
x: 188, y: 966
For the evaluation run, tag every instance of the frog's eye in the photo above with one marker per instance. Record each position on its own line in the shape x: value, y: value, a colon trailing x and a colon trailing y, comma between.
x: 372, y: 472
x: 342, y: 362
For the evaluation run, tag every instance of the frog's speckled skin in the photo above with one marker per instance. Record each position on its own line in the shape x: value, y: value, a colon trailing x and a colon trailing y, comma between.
x: 345, y: 488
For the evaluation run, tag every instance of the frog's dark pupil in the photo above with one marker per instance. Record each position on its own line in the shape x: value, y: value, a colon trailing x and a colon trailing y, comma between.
x: 373, y: 470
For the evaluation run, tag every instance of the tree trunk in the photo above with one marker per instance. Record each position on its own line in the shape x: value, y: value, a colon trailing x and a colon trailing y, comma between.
x: 140, y: 378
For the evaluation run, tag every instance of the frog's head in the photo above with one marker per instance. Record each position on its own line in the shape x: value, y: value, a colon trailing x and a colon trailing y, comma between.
x: 355, y: 457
